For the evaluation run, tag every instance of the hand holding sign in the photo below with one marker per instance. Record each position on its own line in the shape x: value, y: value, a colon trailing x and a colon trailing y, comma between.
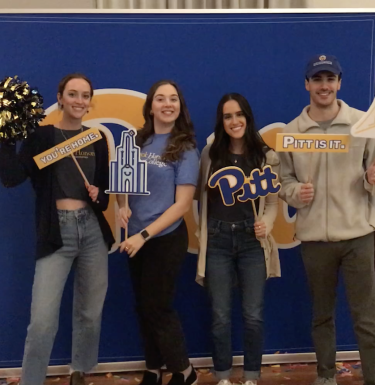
x: 93, y: 192
x: 306, y: 194
x: 370, y: 174
x: 132, y: 245
x: 260, y: 229
x: 124, y: 215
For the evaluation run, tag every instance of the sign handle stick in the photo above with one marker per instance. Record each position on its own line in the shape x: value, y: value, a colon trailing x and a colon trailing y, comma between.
x: 126, y: 213
x: 255, y: 211
x: 80, y: 169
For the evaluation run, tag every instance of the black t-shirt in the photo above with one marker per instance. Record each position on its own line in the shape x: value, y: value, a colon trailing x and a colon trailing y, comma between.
x: 238, y: 212
x: 68, y: 181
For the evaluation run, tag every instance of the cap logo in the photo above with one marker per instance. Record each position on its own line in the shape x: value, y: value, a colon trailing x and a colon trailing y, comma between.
x: 323, y: 57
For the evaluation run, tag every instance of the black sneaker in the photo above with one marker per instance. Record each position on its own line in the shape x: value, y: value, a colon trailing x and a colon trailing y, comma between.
x: 150, y: 378
x: 77, y: 378
x: 179, y: 378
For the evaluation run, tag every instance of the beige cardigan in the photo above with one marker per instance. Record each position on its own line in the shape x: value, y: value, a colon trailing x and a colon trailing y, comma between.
x: 268, y: 207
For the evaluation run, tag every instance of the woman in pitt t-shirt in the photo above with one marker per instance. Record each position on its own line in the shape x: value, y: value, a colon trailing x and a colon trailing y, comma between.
x: 235, y: 244
x: 158, y: 236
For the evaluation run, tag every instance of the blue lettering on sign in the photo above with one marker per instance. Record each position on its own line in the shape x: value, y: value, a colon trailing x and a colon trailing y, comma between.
x: 232, y: 179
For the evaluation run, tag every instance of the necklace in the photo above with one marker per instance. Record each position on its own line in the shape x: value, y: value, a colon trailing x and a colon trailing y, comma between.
x: 235, y: 158
x: 62, y: 132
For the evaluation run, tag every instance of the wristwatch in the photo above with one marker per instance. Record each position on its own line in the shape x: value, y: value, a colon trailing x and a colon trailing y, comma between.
x: 145, y: 235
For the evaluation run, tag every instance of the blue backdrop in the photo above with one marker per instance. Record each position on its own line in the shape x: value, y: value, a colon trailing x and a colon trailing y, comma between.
x: 259, y: 55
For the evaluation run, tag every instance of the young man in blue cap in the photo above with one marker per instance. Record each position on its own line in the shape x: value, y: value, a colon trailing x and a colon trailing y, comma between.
x: 332, y: 193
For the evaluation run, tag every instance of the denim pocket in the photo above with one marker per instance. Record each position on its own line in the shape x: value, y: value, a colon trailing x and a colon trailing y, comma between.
x: 212, y: 231
x: 249, y: 230
x: 62, y: 218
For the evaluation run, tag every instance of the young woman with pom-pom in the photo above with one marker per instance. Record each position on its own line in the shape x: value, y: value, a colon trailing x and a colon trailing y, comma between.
x: 71, y: 232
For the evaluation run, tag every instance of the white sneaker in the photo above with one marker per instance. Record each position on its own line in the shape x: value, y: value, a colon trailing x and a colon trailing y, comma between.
x: 251, y: 382
x: 224, y: 382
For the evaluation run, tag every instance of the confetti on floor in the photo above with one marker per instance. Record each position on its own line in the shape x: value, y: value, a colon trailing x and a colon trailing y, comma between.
x: 348, y: 373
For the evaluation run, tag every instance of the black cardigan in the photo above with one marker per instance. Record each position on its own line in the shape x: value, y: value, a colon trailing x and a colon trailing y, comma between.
x: 16, y: 168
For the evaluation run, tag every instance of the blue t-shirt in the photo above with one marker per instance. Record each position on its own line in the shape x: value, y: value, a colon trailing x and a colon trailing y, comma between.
x: 162, y: 179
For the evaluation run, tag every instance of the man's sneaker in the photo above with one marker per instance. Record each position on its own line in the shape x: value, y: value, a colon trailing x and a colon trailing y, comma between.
x: 224, y: 382
x: 325, y: 381
x: 77, y: 378
x: 179, y: 378
x: 251, y: 382
x: 150, y: 378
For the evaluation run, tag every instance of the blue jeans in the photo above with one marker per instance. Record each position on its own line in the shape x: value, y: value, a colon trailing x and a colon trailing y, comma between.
x: 234, y: 252
x: 84, y: 249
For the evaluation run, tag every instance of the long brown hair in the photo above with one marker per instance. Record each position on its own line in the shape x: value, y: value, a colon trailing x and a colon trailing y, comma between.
x: 182, y: 136
x: 64, y: 81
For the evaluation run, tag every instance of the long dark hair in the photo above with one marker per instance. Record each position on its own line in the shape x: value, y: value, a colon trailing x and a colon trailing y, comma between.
x: 255, y: 148
x: 182, y: 136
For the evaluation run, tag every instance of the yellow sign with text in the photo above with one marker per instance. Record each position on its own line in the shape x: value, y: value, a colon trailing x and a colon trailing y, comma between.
x: 312, y: 143
x: 68, y: 147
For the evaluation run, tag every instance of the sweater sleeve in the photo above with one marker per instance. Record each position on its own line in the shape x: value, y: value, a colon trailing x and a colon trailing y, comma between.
x: 15, y: 167
x: 102, y: 175
x: 290, y: 186
x: 369, y: 158
x: 271, y: 200
x: 202, y: 172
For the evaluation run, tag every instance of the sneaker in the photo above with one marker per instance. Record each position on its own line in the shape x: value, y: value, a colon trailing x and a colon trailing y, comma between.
x: 224, y: 382
x: 77, y: 378
x: 325, y: 381
x: 179, y: 378
x: 251, y: 382
x: 150, y: 378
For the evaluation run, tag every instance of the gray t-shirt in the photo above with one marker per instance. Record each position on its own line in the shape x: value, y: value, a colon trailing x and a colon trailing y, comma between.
x: 68, y: 181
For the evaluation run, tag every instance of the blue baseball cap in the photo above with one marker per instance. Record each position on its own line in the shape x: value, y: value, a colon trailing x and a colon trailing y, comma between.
x: 320, y: 63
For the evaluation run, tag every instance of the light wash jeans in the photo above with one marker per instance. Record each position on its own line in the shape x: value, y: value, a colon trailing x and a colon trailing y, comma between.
x: 84, y: 249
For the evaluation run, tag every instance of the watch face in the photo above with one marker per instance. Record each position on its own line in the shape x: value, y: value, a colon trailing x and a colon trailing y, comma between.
x: 144, y: 234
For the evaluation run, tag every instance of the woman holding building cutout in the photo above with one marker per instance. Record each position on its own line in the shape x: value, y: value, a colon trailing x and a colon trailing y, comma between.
x: 158, y: 239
